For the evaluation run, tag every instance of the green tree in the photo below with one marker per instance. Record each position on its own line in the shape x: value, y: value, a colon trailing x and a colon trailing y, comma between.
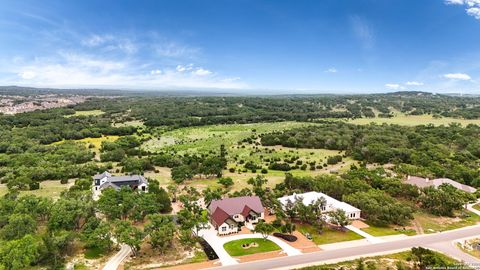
x: 128, y: 234
x: 181, y: 173
x: 227, y: 182
x: 20, y: 254
x: 161, y: 230
x: 18, y: 226
x: 339, y: 217
x: 264, y: 228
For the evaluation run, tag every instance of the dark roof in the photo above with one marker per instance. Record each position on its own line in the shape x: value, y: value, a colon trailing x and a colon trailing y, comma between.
x: 101, y: 175
x: 218, y: 217
x: 126, y: 178
x: 236, y: 205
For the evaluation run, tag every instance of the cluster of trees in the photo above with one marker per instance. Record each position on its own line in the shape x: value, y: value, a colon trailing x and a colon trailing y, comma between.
x: 187, y: 166
x: 197, y: 111
x: 380, y: 197
x: 35, y: 230
x: 444, y: 151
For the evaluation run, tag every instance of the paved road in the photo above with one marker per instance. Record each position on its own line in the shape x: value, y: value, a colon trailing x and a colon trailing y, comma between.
x: 116, y: 260
x: 346, y: 253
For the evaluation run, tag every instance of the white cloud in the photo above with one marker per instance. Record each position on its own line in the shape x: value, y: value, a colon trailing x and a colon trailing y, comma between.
x: 394, y: 86
x: 202, y: 72
x: 182, y: 68
x: 331, y: 70
x: 27, y: 75
x: 96, y: 40
x: 473, y: 6
x: 414, y: 83
x: 174, y: 50
x: 363, y: 31
x: 457, y: 76
x: 454, y: 2
x: 475, y: 12
x: 73, y: 70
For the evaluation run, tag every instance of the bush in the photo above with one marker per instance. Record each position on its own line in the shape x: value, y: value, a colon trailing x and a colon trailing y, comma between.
x: 64, y: 181
x: 34, y: 185
x: 286, y: 237
x: 264, y: 171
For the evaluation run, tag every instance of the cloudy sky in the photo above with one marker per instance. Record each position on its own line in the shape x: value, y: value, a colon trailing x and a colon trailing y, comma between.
x: 259, y: 46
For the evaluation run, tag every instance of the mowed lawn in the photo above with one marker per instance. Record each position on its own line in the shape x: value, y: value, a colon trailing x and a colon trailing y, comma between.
x: 328, y: 235
x: 235, y: 248
x: 383, y: 231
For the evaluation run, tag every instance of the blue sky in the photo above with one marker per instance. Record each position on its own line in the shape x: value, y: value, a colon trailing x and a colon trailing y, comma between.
x: 328, y: 46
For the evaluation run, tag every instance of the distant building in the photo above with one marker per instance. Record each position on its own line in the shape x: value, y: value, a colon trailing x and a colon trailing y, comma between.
x: 106, y: 180
x: 228, y: 214
x: 425, y: 182
x: 331, y: 203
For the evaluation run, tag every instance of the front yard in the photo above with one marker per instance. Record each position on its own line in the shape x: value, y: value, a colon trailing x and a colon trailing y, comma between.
x: 431, y: 223
x: 249, y: 246
x: 383, y: 231
x: 329, y: 235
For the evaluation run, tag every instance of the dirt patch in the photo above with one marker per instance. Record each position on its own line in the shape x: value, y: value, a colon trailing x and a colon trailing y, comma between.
x: 193, y: 266
x: 359, y: 224
x: 261, y: 256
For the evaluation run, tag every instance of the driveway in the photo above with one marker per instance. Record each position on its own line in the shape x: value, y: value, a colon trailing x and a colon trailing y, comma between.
x: 116, y: 260
x: 370, y: 238
x: 470, y: 207
x: 217, y: 242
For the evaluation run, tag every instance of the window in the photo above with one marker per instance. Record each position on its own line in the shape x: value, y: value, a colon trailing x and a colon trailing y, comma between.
x: 224, y: 229
x: 231, y: 226
x: 324, y: 208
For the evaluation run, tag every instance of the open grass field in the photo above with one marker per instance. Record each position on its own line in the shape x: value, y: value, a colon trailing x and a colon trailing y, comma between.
x: 414, y: 120
x: 234, y: 248
x: 383, y: 231
x: 87, y: 113
x: 431, y: 223
x: 209, y: 139
x: 329, y: 235
x: 48, y: 189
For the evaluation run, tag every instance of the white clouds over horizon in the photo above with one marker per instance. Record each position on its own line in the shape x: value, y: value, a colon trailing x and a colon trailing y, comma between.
x: 414, y: 83
x: 457, y: 76
x: 123, y: 62
x: 331, y: 70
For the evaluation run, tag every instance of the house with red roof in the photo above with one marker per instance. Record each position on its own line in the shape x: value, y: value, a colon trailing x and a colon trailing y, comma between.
x: 229, y: 214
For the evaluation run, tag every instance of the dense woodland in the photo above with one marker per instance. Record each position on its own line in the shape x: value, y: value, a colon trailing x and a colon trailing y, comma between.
x: 44, y: 145
x: 445, y: 151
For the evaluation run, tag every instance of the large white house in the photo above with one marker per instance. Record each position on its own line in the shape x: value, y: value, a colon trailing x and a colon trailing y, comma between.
x: 331, y: 203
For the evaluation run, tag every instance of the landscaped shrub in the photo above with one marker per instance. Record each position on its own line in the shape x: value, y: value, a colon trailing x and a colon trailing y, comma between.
x: 286, y: 237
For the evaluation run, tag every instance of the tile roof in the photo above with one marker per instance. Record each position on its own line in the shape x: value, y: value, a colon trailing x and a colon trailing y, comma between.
x: 424, y: 182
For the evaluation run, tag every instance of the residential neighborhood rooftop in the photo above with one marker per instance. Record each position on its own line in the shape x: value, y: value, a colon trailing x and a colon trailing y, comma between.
x: 425, y: 182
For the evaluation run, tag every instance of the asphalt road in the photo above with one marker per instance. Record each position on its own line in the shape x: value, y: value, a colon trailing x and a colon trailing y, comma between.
x: 430, y: 240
